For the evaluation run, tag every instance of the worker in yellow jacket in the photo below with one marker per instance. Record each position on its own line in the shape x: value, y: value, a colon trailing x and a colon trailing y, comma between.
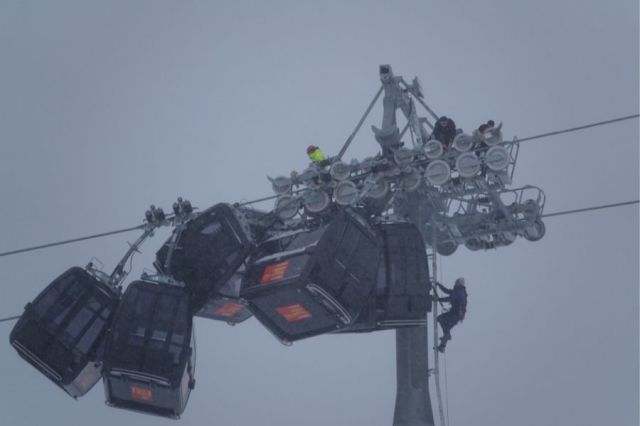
x: 315, y: 154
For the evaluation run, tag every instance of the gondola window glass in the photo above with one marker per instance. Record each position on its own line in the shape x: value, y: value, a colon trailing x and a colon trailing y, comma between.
x: 175, y: 352
x: 80, y: 321
x: 160, y: 336
x: 90, y: 336
x: 48, y: 300
x: 93, y: 304
x: 211, y: 230
x: 136, y: 338
x: 177, y: 339
x: 60, y: 311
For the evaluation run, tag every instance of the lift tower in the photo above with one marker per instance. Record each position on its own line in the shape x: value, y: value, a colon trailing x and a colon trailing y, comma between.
x: 453, y: 186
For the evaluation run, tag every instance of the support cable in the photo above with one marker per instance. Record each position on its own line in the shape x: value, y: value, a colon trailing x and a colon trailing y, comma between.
x: 540, y: 136
x: 433, y: 114
x: 134, y: 228
x: 587, y: 209
x: 364, y: 116
x: 573, y: 129
x: 566, y: 212
x: 543, y: 135
x: 73, y: 240
x: 246, y: 203
x: 270, y: 197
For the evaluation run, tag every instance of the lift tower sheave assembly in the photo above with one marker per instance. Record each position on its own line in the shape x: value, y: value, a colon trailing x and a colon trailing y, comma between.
x: 345, y: 249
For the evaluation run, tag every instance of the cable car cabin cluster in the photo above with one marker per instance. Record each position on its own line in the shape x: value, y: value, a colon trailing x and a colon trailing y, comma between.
x: 338, y: 274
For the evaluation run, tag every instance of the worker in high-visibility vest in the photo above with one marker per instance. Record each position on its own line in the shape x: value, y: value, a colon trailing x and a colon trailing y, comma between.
x: 315, y: 154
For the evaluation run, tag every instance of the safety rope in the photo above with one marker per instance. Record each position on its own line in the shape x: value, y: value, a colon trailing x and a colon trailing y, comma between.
x: 446, y: 384
x: 446, y: 388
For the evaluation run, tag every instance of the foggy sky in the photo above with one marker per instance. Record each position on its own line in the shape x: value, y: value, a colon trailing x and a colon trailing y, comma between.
x: 108, y: 107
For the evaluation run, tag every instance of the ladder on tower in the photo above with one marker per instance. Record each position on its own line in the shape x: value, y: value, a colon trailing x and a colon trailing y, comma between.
x: 432, y: 254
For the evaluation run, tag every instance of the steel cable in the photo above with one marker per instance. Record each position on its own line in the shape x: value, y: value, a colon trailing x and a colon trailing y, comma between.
x: 542, y: 135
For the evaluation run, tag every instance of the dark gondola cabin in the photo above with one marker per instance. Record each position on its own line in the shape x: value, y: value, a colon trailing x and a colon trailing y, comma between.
x: 148, y: 361
x: 401, y: 297
x: 225, y: 304
x: 316, y: 281
x: 206, y: 252
x: 63, y: 330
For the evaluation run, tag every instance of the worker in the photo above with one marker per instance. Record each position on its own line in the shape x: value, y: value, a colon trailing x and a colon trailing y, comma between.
x: 486, y: 126
x: 457, y: 297
x: 315, y: 154
x: 481, y: 144
x: 480, y: 132
x: 444, y: 130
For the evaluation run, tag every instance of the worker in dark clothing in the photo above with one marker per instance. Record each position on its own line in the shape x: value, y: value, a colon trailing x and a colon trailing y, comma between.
x: 457, y: 297
x: 444, y: 130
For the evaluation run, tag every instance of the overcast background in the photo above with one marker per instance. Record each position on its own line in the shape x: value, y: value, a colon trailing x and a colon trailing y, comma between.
x: 107, y: 107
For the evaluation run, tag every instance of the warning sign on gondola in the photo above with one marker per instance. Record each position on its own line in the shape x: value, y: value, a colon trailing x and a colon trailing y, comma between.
x: 293, y: 313
x: 274, y: 272
x: 141, y: 394
x: 229, y: 309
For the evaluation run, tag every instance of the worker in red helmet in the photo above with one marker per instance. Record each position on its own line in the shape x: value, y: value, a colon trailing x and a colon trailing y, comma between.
x: 486, y: 126
x: 315, y: 154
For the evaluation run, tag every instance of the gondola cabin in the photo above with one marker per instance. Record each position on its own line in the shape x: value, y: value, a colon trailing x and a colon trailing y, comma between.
x: 148, y: 361
x: 63, y: 330
x: 401, y: 296
x: 311, y: 282
x: 206, y: 252
x: 225, y: 304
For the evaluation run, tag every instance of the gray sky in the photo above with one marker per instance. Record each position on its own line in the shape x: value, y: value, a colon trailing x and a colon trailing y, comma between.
x: 107, y: 107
